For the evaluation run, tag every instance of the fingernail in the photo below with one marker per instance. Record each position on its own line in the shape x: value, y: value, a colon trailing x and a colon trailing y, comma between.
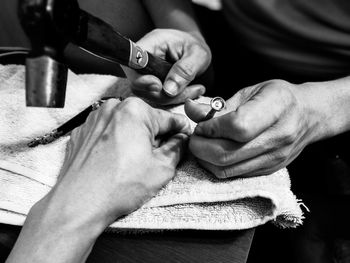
x: 170, y: 88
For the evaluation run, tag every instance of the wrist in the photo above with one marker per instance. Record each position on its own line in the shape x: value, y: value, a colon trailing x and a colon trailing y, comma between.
x: 327, y: 105
x: 54, y: 213
x: 81, y: 205
x: 48, y: 233
x: 313, y: 110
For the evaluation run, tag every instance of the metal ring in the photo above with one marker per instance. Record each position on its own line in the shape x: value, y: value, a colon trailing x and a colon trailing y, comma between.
x: 217, y: 104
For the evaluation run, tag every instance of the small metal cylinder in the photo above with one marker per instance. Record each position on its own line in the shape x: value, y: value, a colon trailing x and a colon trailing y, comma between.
x: 46, y: 81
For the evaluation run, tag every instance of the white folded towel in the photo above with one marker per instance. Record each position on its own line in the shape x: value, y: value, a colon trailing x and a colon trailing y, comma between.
x: 194, y: 199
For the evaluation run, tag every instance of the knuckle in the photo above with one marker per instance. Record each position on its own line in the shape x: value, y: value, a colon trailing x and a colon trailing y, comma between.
x: 133, y: 101
x: 222, y: 158
x: 108, y: 103
x: 289, y: 136
x: 277, y: 83
x: 186, y: 70
x: 278, y: 157
x: 241, y: 126
x: 283, y: 91
x: 105, y: 109
x: 130, y: 110
x: 133, y: 106
x: 281, y: 157
x: 201, y: 51
x: 157, y: 30
x: 279, y: 86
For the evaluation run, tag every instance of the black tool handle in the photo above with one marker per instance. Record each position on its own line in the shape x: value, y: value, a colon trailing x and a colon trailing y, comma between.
x: 101, y: 39
x: 156, y: 66
x: 76, y: 121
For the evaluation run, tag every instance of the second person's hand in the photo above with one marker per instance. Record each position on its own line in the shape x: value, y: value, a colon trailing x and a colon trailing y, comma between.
x: 191, y: 57
x: 263, y: 129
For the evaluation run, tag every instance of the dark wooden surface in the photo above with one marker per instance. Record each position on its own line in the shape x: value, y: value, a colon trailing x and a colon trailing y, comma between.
x: 176, y: 246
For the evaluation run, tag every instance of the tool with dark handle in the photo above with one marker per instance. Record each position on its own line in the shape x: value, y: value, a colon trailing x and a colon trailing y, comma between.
x: 68, y: 126
x: 101, y: 39
x: 51, y: 25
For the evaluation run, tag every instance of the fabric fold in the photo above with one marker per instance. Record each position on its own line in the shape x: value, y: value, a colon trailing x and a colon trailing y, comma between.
x: 194, y: 199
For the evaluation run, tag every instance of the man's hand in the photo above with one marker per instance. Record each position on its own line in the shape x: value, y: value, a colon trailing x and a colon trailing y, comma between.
x: 120, y: 158
x: 191, y: 57
x: 263, y: 129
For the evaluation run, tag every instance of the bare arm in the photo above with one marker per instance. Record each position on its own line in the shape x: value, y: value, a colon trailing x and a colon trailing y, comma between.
x: 177, y: 38
x: 52, y: 233
x: 330, y: 101
x: 174, y: 14
x: 112, y: 167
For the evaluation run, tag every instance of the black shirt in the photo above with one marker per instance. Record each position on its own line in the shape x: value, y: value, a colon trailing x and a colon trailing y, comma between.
x: 307, y: 37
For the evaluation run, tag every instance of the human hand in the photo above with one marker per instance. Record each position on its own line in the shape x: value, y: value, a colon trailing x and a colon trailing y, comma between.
x: 192, y: 57
x: 117, y: 160
x: 263, y: 129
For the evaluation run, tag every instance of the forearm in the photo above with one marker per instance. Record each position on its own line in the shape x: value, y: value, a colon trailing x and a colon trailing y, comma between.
x: 329, y: 105
x: 49, y: 236
x: 175, y: 14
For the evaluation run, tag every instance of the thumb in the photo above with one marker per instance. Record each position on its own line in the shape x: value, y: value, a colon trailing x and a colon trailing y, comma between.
x: 180, y: 75
x: 218, y: 127
x: 196, y: 111
x: 172, y: 150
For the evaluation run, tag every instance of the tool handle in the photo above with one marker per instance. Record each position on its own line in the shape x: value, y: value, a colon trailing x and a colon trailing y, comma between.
x: 156, y: 66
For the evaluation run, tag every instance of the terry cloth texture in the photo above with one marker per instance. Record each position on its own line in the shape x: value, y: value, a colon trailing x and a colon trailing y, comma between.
x: 194, y: 199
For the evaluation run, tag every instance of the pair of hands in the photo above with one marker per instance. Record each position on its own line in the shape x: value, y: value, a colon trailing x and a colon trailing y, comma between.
x: 127, y: 151
x: 118, y: 150
x: 263, y: 128
x: 119, y: 158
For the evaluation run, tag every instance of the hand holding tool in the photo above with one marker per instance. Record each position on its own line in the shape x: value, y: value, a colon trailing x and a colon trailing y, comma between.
x: 50, y: 26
